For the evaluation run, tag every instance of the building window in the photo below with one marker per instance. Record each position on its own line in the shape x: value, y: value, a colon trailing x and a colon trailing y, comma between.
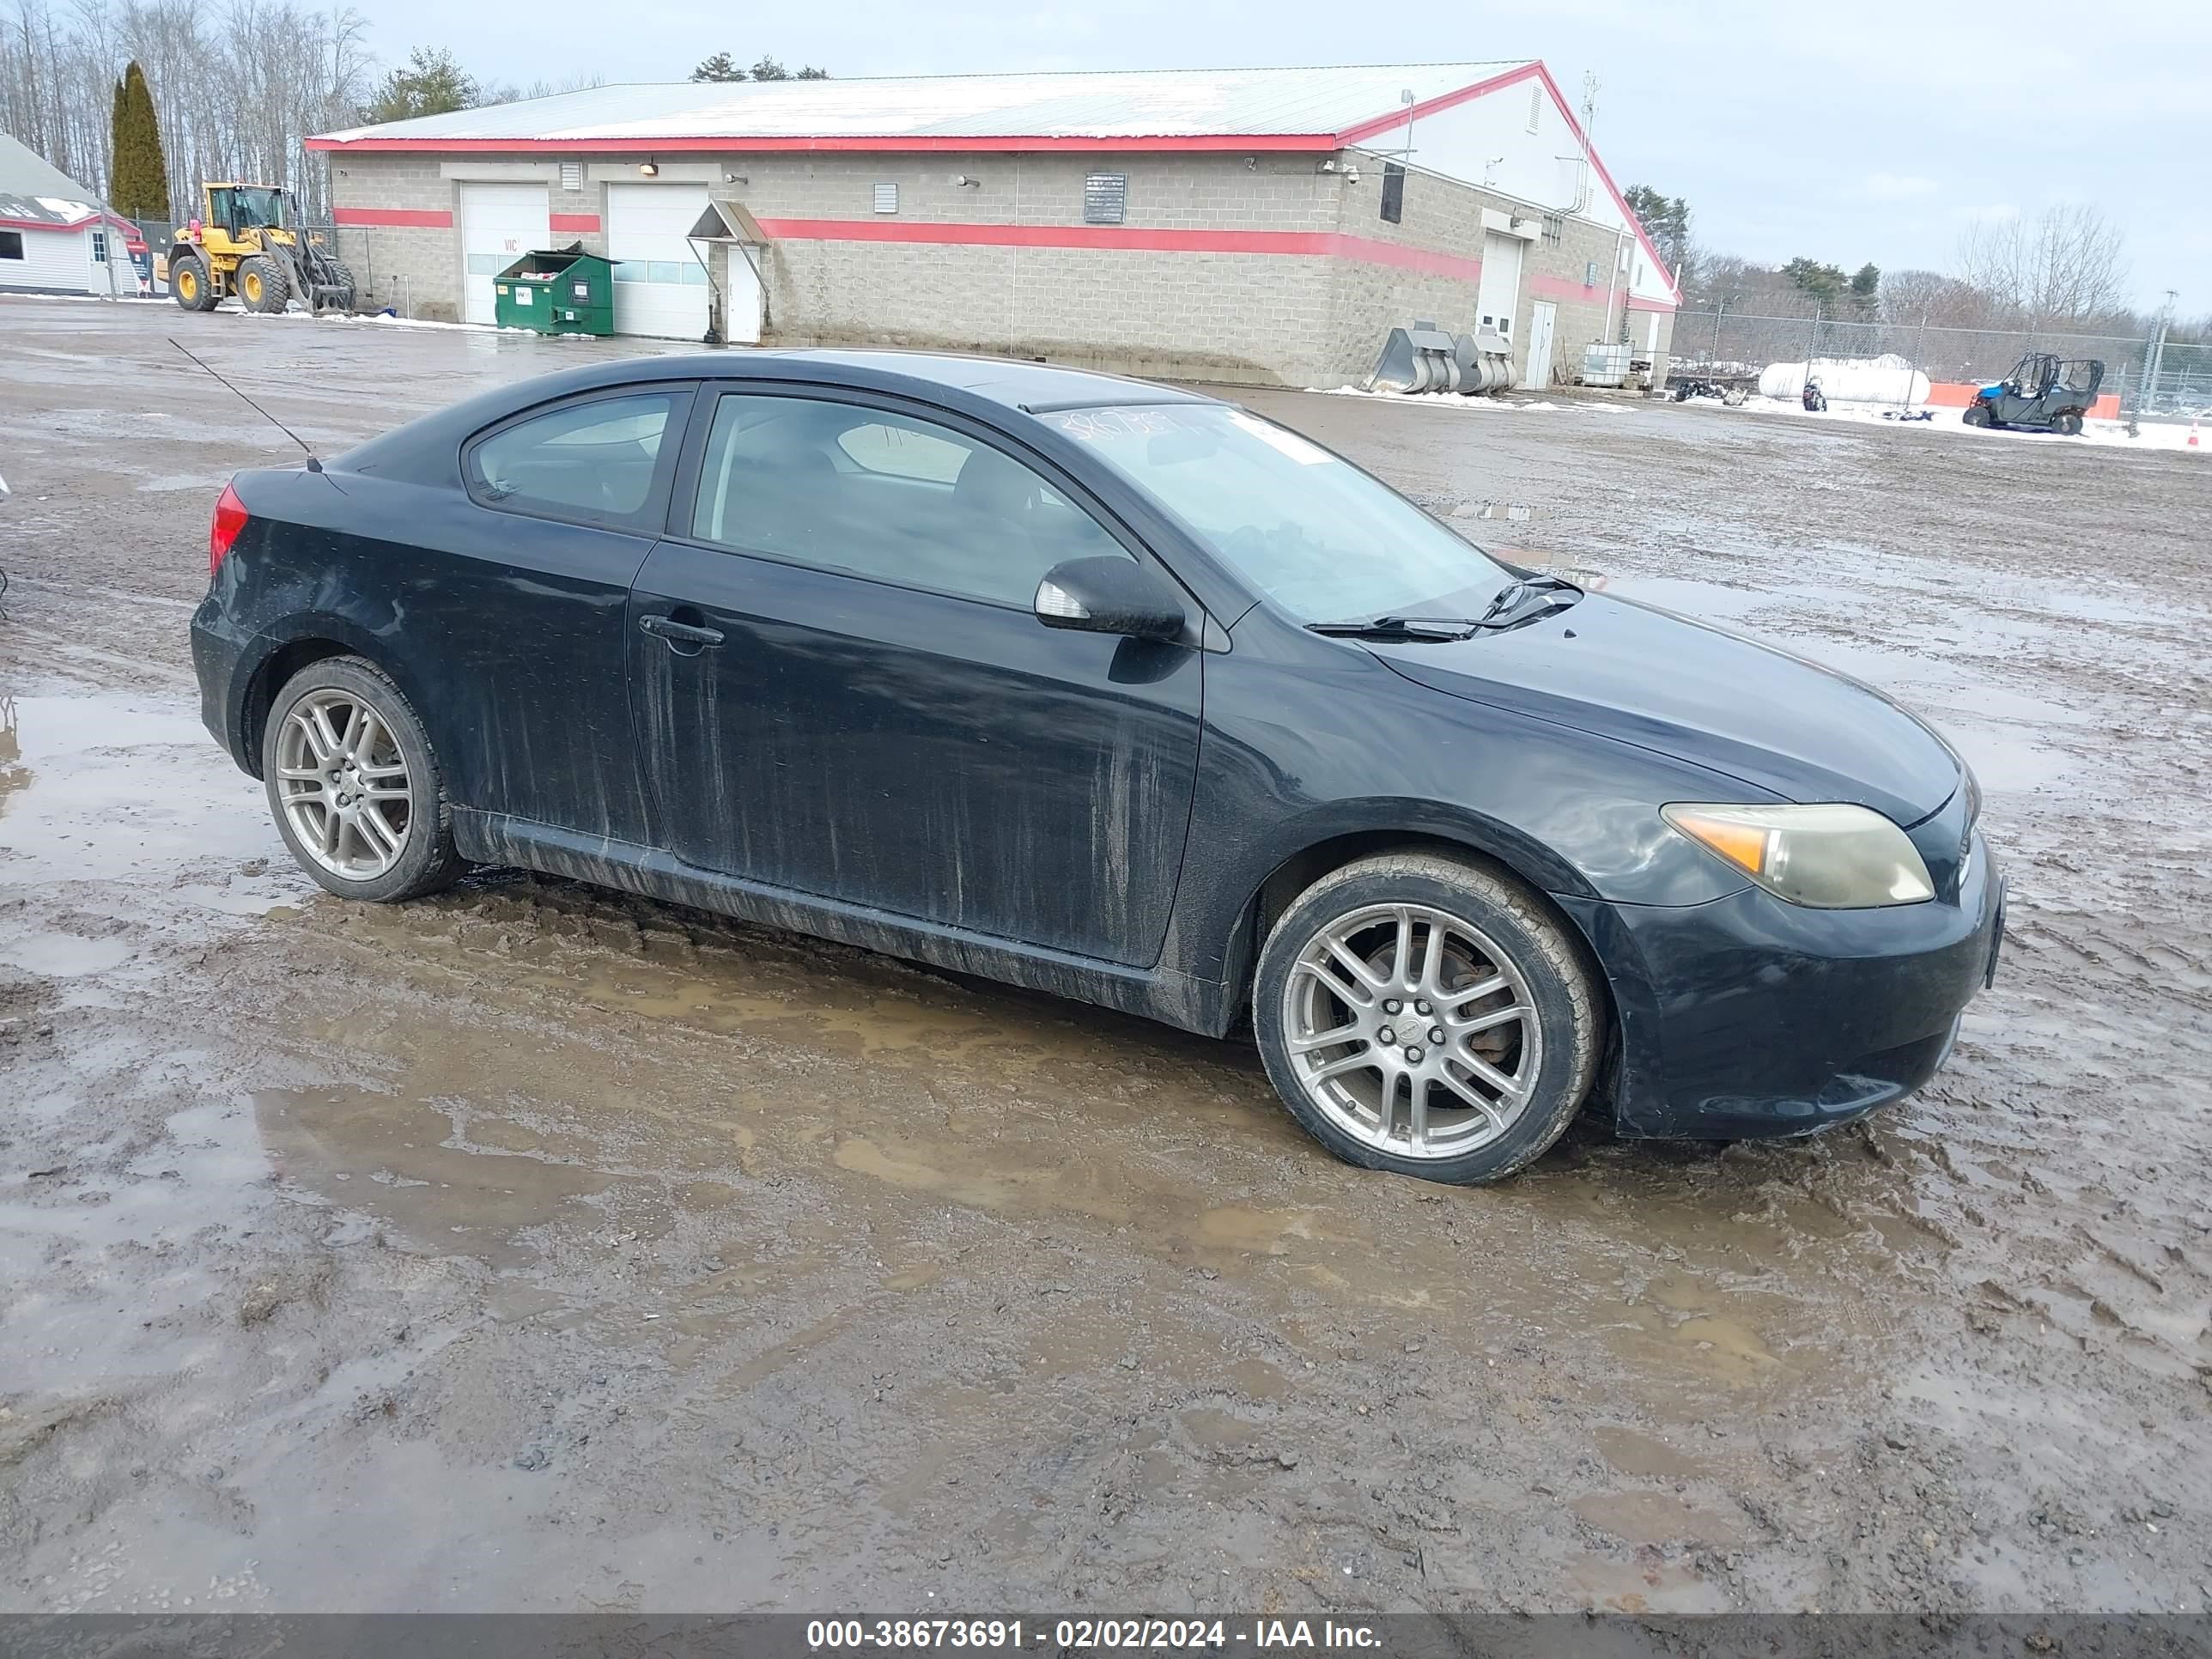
x: 1555, y: 228
x: 887, y: 199
x: 100, y: 247
x: 1394, y: 193
x: 571, y: 175
x: 1105, y: 198
x: 11, y: 244
x: 1589, y: 274
x: 1535, y: 106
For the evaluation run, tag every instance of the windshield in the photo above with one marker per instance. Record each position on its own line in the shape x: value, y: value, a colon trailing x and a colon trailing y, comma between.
x: 1317, y: 536
x: 257, y: 206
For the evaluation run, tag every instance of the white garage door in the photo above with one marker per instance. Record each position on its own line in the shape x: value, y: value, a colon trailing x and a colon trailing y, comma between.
x: 500, y: 223
x: 660, y: 287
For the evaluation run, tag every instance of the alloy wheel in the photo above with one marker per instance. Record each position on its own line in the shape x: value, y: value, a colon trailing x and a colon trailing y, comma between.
x: 1413, y: 1030
x: 342, y: 781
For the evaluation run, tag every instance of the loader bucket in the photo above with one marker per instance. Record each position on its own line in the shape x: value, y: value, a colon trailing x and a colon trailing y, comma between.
x: 1416, y: 359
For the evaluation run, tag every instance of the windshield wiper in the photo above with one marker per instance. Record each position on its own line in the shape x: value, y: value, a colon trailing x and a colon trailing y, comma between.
x: 1512, y: 607
x: 1509, y: 608
x: 1411, y: 630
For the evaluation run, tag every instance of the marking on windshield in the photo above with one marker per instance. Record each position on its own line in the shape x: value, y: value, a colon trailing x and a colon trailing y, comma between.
x: 1275, y: 437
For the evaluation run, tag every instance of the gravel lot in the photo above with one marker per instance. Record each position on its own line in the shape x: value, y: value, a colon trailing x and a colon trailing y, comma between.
x: 536, y: 1248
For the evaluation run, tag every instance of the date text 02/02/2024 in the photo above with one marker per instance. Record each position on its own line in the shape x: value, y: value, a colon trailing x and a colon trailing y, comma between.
x: 1013, y: 1635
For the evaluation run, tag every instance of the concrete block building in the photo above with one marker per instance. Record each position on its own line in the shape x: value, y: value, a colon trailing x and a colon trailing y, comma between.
x: 1260, y: 225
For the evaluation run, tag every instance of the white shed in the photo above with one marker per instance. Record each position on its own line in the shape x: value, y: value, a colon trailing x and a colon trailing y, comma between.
x: 56, y: 236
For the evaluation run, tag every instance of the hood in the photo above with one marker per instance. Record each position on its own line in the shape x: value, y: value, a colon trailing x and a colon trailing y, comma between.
x: 1702, y: 694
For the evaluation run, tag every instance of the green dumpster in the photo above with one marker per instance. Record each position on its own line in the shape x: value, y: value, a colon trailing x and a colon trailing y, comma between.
x: 556, y: 291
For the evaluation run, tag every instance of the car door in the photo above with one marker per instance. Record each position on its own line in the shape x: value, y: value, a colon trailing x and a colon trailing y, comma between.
x: 524, y: 609
x: 850, y: 696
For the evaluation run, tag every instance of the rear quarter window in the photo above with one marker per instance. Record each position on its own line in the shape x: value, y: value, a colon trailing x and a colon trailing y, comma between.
x: 600, y: 461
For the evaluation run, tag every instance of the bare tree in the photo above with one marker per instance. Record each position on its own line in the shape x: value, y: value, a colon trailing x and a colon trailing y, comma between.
x: 236, y: 92
x: 2066, y: 266
x: 1942, y: 301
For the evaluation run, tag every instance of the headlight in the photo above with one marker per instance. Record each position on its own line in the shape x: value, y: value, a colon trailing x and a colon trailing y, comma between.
x: 1827, y: 858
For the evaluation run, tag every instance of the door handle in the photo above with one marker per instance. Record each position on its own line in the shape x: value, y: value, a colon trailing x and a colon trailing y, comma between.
x: 677, y: 633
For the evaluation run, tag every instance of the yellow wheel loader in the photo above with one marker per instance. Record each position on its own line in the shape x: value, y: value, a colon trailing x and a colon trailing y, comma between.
x: 248, y: 242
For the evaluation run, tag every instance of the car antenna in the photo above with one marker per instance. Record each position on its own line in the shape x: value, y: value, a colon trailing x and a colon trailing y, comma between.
x: 314, y: 461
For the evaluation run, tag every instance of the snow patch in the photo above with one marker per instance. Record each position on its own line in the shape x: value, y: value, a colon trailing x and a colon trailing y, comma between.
x: 2109, y: 434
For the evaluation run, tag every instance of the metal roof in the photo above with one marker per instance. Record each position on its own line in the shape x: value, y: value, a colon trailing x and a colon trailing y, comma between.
x: 934, y: 111
x: 34, y: 191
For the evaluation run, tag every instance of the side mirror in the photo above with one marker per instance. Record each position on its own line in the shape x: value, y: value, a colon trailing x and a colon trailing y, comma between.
x: 1107, y: 595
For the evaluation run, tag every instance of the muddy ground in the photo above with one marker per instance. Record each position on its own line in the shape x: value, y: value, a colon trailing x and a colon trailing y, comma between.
x: 535, y: 1247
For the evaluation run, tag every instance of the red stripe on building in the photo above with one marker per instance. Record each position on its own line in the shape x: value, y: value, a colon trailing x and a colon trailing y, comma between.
x: 572, y: 222
x: 396, y: 218
x: 1366, y: 130
x: 1135, y: 143
x: 1611, y: 189
x: 1128, y: 238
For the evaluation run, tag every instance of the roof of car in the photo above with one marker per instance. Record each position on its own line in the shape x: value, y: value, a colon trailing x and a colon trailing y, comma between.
x: 1027, y: 387
x: 1013, y: 382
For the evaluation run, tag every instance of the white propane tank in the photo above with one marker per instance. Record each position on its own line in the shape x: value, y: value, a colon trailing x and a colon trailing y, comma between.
x: 1888, y: 379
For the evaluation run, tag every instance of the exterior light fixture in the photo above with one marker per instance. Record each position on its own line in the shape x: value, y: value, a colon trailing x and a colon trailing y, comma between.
x: 648, y: 169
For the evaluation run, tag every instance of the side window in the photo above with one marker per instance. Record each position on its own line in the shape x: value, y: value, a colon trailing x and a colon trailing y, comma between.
x: 885, y: 496
x: 593, y: 460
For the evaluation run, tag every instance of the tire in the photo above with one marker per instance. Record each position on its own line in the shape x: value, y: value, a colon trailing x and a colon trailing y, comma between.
x: 1493, y: 929
x: 2068, y: 425
x: 189, y: 285
x: 1976, y: 414
x: 263, y: 284
x: 415, y: 853
x: 342, y: 274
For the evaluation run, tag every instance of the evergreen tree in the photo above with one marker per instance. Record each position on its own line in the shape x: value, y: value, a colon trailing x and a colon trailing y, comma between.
x: 723, y: 67
x: 138, y: 177
x: 1666, y: 221
x: 1825, y: 283
x: 1866, y: 289
x: 432, y: 84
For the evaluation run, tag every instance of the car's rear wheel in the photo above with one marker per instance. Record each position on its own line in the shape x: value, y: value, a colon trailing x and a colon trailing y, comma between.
x: 1426, y: 1016
x: 355, y: 787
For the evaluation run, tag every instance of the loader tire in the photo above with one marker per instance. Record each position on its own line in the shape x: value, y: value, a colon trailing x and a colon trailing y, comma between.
x: 262, y: 285
x: 342, y: 274
x: 188, y: 285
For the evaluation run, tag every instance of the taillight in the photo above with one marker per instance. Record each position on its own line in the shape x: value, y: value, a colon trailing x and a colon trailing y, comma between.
x: 230, y: 516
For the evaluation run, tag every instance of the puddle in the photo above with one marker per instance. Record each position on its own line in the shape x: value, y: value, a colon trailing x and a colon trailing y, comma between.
x: 112, y: 788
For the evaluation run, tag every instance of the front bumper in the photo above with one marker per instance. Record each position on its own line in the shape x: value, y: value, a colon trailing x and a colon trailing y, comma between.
x: 1745, y: 1016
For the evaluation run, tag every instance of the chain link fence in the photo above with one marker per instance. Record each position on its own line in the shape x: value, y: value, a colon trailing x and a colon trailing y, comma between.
x: 2153, y: 380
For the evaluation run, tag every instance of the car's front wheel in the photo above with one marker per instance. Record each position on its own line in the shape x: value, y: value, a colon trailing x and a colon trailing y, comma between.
x: 1426, y: 1016
x: 355, y: 787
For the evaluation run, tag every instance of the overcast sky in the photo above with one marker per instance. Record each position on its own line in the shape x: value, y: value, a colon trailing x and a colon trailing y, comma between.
x: 1874, y: 130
